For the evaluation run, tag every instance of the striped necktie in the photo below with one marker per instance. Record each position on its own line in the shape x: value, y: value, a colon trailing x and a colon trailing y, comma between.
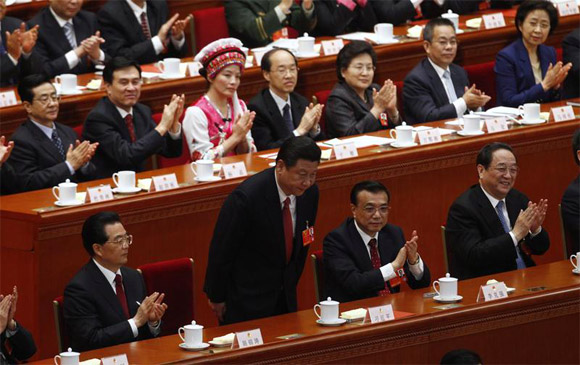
x: 58, y: 143
x: 376, y: 262
x: 145, y: 25
x: 70, y: 34
x: 499, y: 209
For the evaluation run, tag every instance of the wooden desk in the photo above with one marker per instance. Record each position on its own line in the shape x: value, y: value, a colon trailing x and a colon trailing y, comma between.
x: 394, y: 62
x: 527, y: 327
x: 41, y: 245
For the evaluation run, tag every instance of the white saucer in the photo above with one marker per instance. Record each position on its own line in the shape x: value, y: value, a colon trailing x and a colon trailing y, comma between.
x: 307, y: 54
x: 397, y: 145
x: 208, y: 179
x: 392, y: 41
x: 576, y: 271
x: 77, y: 92
x: 354, y: 319
x: 198, y: 347
x: 71, y: 204
x: 532, y: 122
x: 336, y: 322
x: 467, y: 134
x: 171, y: 76
x: 132, y: 190
x: 448, y: 300
x: 219, y: 344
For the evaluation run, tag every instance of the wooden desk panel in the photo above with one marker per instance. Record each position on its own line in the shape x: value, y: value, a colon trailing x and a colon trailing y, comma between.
x: 41, y: 250
x: 528, y: 327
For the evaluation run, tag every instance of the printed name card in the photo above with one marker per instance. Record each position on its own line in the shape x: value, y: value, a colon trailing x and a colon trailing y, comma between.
x: 165, y: 182
x: 494, y: 125
x: 381, y: 313
x: 115, y: 360
x: 567, y: 8
x: 491, y: 21
x: 8, y: 98
x: 492, y: 292
x: 332, y: 47
x: 429, y: 136
x: 100, y: 193
x: 232, y: 170
x: 249, y: 338
x: 563, y: 113
x: 345, y: 150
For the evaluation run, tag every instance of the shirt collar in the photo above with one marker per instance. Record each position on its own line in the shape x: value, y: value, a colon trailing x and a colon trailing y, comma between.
x: 46, y: 130
x: 136, y: 9
x: 123, y: 112
x: 281, y: 193
x: 109, y: 275
x: 281, y: 103
x: 438, y: 69
x: 61, y: 21
x: 365, y: 237
x: 492, y: 200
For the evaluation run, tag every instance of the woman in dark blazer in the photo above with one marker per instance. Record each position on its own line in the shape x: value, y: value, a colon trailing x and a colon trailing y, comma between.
x: 527, y: 70
x: 356, y: 105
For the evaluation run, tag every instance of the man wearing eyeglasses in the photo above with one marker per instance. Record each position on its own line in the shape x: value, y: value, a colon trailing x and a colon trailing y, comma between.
x: 492, y: 227
x: 105, y: 304
x: 366, y: 256
x: 437, y: 88
x: 282, y: 113
x: 45, y: 152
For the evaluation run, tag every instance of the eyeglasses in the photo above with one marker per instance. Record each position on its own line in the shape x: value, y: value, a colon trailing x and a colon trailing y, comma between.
x: 360, y: 68
x: 443, y: 43
x: 122, y: 241
x: 513, y: 170
x: 46, y: 99
x: 282, y: 71
x: 370, y: 210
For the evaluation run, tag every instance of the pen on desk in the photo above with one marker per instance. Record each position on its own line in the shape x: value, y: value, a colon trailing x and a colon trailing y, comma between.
x: 139, y: 304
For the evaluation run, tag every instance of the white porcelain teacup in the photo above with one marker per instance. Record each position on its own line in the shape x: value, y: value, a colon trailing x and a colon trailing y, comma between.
x: 328, y: 310
x: 67, y: 358
x: 453, y: 17
x: 531, y: 111
x: 576, y: 258
x: 67, y: 82
x: 471, y: 123
x: 447, y: 287
x: 125, y: 180
x: 170, y: 66
x: 403, y: 134
x: 191, y: 334
x: 202, y: 169
x: 384, y: 32
x: 305, y: 44
x: 67, y: 192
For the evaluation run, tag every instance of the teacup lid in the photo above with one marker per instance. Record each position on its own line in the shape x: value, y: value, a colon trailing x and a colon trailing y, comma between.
x: 329, y: 301
x: 67, y: 183
x: 447, y: 277
x: 194, y: 326
x: 306, y: 36
x: 70, y: 352
x: 404, y: 126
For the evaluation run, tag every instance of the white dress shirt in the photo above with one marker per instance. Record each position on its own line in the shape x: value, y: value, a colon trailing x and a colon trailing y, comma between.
x: 124, y: 113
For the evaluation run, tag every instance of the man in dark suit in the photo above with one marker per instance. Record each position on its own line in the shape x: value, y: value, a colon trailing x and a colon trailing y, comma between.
x: 571, y: 54
x: 366, y: 256
x: 105, y: 304
x: 492, y: 227
x: 262, y: 236
x: 437, y: 88
x: 571, y: 204
x: 258, y: 22
x: 16, y: 45
x: 45, y: 152
x: 140, y: 30
x: 16, y: 343
x: 280, y: 112
x: 125, y: 128
x: 69, y: 40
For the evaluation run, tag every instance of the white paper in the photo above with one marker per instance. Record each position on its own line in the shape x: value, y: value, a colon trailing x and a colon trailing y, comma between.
x: 445, y: 131
x: 361, y: 141
x: 359, y: 36
x: 504, y: 110
x: 381, y: 313
x: 269, y: 156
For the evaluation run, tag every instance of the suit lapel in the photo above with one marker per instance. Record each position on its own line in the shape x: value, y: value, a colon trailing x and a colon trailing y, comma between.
x: 512, y: 208
x: 457, y: 82
x: 152, y: 18
x: 276, y: 117
x: 358, y: 247
x: 297, y: 111
x: 525, y: 63
x: 105, y: 290
x: 386, y: 246
x: 274, y: 214
x: 44, y: 142
x: 439, y: 92
x: 56, y: 34
x: 121, y: 126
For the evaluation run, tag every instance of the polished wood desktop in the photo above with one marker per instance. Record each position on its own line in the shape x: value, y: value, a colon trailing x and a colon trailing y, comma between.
x: 537, y: 324
x: 41, y: 247
x: 394, y: 62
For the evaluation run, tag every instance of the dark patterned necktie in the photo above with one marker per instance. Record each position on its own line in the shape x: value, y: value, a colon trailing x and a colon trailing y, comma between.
x: 288, y: 234
x: 58, y: 143
x: 499, y: 209
x: 130, y: 127
x: 121, y: 294
x: 145, y: 25
x: 376, y: 261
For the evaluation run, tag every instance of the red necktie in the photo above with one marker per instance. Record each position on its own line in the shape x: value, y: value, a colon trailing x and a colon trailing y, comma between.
x: 376, y: 261
x: 121, y: 294
x: 145, y: 25
x: 484, y: 5
x: 288, y: 234
x: 130, y: 127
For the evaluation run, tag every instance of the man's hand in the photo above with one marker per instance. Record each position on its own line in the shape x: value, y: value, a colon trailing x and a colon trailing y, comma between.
x: 179, y: 26
x: 541, y: 209
x: 164, y: 30
x: 5, y: 149
x: 168, y: 117
x: 475, y: 98
x: 285, y: 5
x: 92, y: 45
x: 80, y: 154
x: 412, y: 246
x: 219, y: 309
x: 524, y: 221
x: 178, y: 112
x: 310, y: 118
x: 13, y: 44
x: 5, y: 305
x: 147, y: 305
x: 158, y: 309
x: 11, y: 322
x: 400, y: 259
x: 28, y: 40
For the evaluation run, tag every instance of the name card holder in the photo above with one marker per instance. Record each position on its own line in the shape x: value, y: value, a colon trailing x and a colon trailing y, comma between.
x: 233, y: 170
x: 99, y: 194
x: 164, y: 182
x: 332, y: 47
x: 258, y: 57
x: 564, y: 113
x: 115, y: 360
x: 8, y: 98
x: 429, y: 136
x: 345, y: 150
x: 491, y: 292
x: 494, y: 125
x: 492, y: 21
x: 567, y: 8
x: 382, y: 313
x: 248, y: 338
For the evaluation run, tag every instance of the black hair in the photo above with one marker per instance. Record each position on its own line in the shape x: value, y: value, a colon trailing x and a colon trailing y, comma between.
x: 266, y: 63
x: 28, y: 83
x: 370, y: 186
x: 461, y: 356
x: 298, y: 148
x: 350, y: 51
x: 576, y: 145
x: 485, y: 155
x: 429, y: 29
x: 118, y: 63
x: 94, y: 229
x: 528, y: 6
